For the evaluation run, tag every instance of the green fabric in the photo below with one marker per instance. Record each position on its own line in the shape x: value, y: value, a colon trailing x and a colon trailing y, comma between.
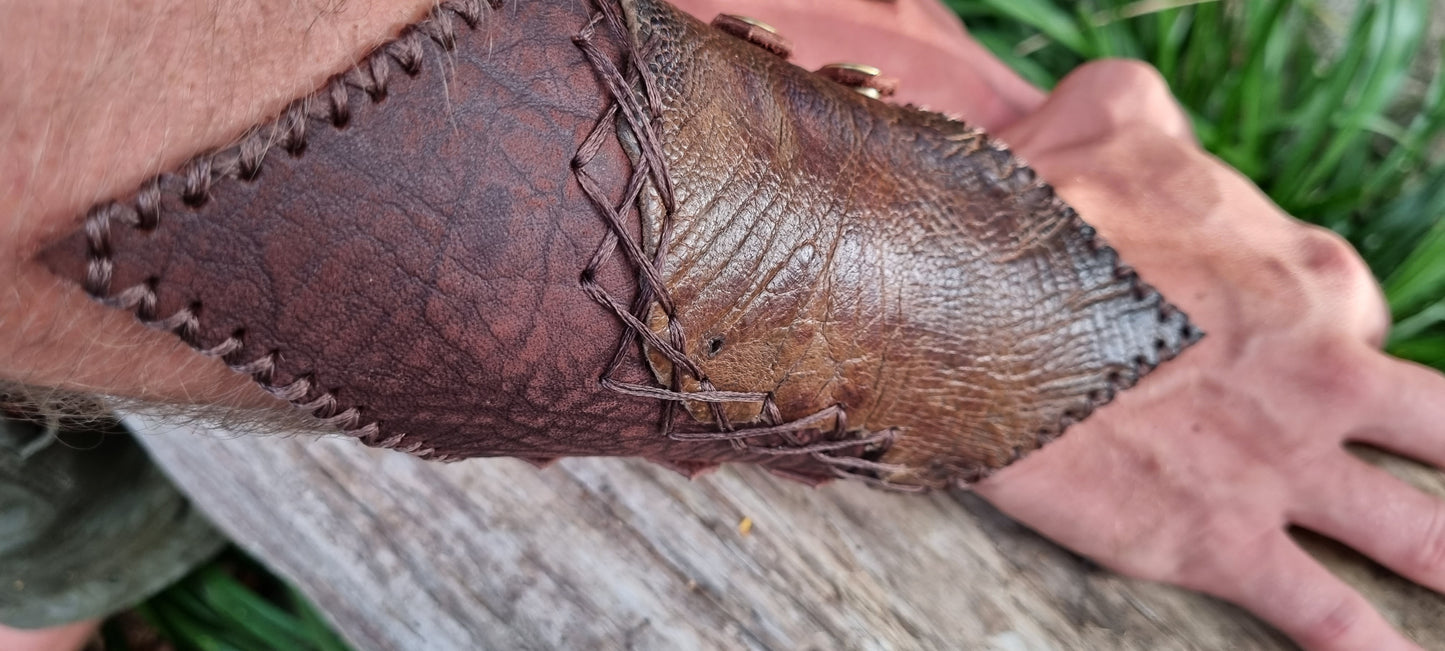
x: 88, y: 525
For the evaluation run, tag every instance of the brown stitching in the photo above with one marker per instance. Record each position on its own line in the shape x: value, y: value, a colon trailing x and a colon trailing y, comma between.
x: 243, y: 161
x: 391, y: 441
x: 886, y: 436
x: 1007, y: 174
x: 802, y: 424
x: 868, y: 472
x: 1026, y: 185
x: 293, y: 392
x: 1017, y: 179
x: 183, y: 319
x: 226, y: 347
x: 640, y: 115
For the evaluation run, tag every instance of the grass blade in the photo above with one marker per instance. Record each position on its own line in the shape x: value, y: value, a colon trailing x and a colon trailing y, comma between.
x: 1421, y: 276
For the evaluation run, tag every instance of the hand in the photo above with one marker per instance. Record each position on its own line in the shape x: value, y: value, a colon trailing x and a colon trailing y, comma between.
x: 1190, y: 477
x: 1193, y: 476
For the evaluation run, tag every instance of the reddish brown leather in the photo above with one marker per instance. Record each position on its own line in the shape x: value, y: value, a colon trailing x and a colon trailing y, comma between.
x: 835, y: 249
x: 413, y: 275
x: 421, y: 263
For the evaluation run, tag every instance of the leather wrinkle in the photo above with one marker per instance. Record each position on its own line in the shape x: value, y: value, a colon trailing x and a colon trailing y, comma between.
x: 787, y: 273
x: 783, y: 195
x: 640, y: 115
x: 177, y: 236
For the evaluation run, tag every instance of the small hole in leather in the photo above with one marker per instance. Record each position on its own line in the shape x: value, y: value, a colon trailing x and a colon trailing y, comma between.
x: 194, y: 199
x: 714, y: 346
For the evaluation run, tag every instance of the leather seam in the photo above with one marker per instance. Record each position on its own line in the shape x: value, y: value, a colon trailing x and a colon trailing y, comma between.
x: 625, y: 83
x: 243, y: 161
x: 635, y: 98
x: 1026, y: 181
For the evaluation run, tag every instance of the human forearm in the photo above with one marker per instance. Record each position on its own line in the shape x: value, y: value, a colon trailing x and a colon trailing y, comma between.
x: 97, y: 97
x: 103, y: 96
x: 456, y: 207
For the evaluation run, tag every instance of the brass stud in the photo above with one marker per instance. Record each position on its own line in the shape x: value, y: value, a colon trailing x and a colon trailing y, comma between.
x: 754, y: 31
x: 864, y: 79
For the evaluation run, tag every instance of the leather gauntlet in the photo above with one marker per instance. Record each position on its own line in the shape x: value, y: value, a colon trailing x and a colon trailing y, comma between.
x: 551, y: 228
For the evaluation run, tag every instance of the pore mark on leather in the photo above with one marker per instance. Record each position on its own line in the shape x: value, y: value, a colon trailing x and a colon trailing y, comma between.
x: 878, y: 268
x: 413, y: 277
x: 818, y: 435
x: 403, y: 262
x: 192, y: 186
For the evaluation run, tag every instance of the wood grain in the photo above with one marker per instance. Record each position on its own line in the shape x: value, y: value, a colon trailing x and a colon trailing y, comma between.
x: 607, y: 553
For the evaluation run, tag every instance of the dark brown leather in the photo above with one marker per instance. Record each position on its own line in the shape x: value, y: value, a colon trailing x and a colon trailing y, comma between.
x: 832, y: 249
x: 402, y: 255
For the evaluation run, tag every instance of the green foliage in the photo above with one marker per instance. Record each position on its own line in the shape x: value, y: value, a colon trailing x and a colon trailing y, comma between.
x: 1331, y: 132
x: 1327, y: 114
x: 233, y: 604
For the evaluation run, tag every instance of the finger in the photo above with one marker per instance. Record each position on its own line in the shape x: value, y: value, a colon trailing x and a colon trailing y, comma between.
x: 919, y: 42
x: 1280, y: 583
x: 1378, y: 515
x: 1099, y: 99
x: 1404, y: 409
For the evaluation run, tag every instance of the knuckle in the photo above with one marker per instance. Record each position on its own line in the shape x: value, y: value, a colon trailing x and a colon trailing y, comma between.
x: 1134, y: 92
x: 1128, y: 75
x: 1324, y: 252
x: 1336, y: 372
x: 1332, y: 265
x: 1337, y: 622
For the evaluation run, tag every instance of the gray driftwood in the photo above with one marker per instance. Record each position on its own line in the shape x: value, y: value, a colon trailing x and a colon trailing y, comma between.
x: 607, y: 553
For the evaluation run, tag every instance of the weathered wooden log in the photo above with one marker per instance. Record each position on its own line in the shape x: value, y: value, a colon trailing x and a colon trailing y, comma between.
x: 608, y: 553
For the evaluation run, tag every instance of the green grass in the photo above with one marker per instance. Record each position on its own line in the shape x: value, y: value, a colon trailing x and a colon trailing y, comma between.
x: 1346, y: 139
x: 231, y: 604
x: 1345, y: 136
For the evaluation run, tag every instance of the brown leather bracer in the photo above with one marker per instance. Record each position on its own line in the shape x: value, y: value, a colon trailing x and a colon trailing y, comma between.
x: 542, y: 229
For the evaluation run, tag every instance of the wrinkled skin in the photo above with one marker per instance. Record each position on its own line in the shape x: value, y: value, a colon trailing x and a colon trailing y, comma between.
x: 1193, y: 476
x: 1189, y: 478
x: 886, y: 267
x: 893, y: 262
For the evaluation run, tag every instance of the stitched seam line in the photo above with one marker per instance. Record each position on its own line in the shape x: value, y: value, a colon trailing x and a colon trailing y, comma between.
x: 1021, y: 180
x: 641, y: 115
x: 193, y: 183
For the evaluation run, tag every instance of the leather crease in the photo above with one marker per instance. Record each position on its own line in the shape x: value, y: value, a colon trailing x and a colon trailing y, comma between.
x: 544, y: 229
x: 851, y: 271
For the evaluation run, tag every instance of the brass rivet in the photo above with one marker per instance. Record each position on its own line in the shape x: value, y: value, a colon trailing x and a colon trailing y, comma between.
x: 754, y: 31
x: 864, y: 79
x: 860, y: 68
x: 751, y: 21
